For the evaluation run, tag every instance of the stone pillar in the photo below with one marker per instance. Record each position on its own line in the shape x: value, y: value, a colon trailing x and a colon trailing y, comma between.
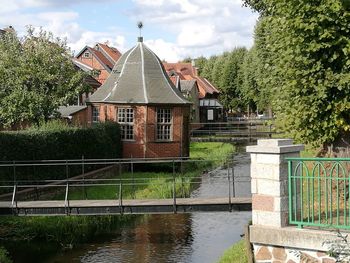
x: 269, y: 180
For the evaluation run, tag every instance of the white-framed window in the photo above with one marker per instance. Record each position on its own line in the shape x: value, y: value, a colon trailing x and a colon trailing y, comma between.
x: 126, y: 121
x: 164, y: 123
x: 95, y: 114
x: 86, y: 54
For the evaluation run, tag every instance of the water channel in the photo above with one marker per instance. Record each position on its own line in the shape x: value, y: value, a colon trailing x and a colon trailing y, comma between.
x: 195, y: 238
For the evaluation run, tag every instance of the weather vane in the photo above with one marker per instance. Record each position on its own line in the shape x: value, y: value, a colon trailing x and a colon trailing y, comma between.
x: 140, y: 26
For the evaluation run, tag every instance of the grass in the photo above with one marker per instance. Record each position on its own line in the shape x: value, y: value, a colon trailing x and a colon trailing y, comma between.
x: 235, y: 254
x: 158, y: 184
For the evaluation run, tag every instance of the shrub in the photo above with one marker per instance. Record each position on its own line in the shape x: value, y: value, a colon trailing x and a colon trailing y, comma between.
x: 58, y: 142
x: 4, y: 257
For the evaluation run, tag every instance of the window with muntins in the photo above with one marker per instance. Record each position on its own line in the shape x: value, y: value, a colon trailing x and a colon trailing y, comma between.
x: 126, y: 121
x: 95, y: 114
x: 164, y: 122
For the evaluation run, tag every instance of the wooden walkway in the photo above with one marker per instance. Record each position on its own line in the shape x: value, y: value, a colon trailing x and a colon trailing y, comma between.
x: 114, y: 207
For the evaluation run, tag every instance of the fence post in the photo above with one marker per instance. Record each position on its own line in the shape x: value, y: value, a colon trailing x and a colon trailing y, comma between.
x: 120, y: 196
x: 269, y: 180
x: 133, y: 179
x: 229, y: 186
x: 174, y: 188
x: 14, y: 200
x: 233, y: 176
x: 66, y: 199
x: 83, y: 172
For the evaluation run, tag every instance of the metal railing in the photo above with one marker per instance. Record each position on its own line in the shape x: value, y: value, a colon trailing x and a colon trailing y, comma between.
x: 124, y: 185
x: 246, y: 129
x: 319, y: 192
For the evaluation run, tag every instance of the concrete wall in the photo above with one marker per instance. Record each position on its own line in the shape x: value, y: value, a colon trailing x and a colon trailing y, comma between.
x: 273, y: 239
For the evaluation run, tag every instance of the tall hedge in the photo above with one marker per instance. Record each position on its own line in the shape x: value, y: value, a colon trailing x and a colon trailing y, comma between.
x: 61, y: 143
x: 99, y: 141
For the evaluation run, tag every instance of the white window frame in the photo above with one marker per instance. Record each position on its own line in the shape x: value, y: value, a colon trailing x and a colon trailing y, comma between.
x: 86, y: 54
x: 126, y: 117
x: 164, y: 118
x: 95, y: 117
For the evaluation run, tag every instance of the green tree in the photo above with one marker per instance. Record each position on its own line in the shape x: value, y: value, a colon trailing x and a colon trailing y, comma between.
x: 208, y: 68
x: 250, y: 89
x: 230, y: 81
x: 36, y: 76
x: 200, y: 63
x: 304, y: 47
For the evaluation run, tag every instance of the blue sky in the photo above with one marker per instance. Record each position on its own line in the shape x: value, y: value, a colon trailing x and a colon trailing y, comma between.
x: 174, y: 29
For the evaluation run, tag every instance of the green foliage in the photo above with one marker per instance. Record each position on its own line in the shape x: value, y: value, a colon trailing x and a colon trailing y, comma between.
x: 36, y: 76
x: 225, y: 72
x: 200, y: 64
x: 208, y: 67
x: 231, y: 80
x: 65, y: 231
x: 59, y: 142
x: 4, y: 257
x: 235, y: 254
x: 304, y: 48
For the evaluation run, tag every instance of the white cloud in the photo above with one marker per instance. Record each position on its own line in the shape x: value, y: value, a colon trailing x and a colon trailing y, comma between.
x: 90, y: 38
x: 167, y: 51
x: 64, y: 25
x: 197, y: 27
x: 201, y: 27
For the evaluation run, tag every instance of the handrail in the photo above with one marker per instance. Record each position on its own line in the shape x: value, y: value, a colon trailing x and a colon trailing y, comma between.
x: 319, y: 192
x: 66, y: 200
x: 30, y: 163
x: 316, y: 159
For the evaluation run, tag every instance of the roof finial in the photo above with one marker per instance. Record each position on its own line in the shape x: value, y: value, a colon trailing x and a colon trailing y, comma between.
x: 140, y: 26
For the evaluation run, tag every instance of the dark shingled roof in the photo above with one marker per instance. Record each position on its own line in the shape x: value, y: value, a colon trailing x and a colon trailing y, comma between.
x: 138, y: 78
x: 67, y: 111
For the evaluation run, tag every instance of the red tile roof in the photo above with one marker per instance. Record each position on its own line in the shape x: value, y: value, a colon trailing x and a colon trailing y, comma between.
x: 188, y: 72
x: 102, y: 58
x: 110, y: 52
x: 183, y: 68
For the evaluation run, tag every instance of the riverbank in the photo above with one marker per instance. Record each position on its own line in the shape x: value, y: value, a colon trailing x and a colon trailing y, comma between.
x: 237, y: 253
x: 67, y: 232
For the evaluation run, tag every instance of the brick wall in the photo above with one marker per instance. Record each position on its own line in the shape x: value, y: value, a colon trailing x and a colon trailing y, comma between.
x: 145, y: 143
x: 80, y: 117
x: 94, y: 63
x: 263, y: 254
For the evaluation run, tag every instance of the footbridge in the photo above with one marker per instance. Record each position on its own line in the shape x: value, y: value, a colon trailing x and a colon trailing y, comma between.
x: 128, y: 188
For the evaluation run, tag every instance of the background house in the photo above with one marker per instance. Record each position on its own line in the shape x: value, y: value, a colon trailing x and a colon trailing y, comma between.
x: 101, y: 57
x: 210, y: 109
x: 153, y: 114
x: 189, y: 89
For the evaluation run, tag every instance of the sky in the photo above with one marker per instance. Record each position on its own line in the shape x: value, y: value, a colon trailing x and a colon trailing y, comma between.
x: 173, y: 29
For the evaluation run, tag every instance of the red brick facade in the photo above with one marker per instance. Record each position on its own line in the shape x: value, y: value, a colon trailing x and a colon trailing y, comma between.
x: 93, y: 62
x: 145, y: 143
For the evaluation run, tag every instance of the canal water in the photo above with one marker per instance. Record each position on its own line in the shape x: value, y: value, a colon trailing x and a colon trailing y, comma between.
x: 195, y: 238
x: 180, y: 238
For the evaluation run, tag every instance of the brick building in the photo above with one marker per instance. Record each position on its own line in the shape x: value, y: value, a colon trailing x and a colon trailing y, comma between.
x: 153, y: 114
x: 101, y: 57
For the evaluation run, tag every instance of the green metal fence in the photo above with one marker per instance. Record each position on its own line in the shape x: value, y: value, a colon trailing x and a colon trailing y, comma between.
x: 319, y: 192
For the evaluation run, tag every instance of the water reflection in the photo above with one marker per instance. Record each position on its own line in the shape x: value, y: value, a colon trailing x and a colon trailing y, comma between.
x: 195, y: 238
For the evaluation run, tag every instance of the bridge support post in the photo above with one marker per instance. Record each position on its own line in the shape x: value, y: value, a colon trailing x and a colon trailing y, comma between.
x: 269, y: 180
